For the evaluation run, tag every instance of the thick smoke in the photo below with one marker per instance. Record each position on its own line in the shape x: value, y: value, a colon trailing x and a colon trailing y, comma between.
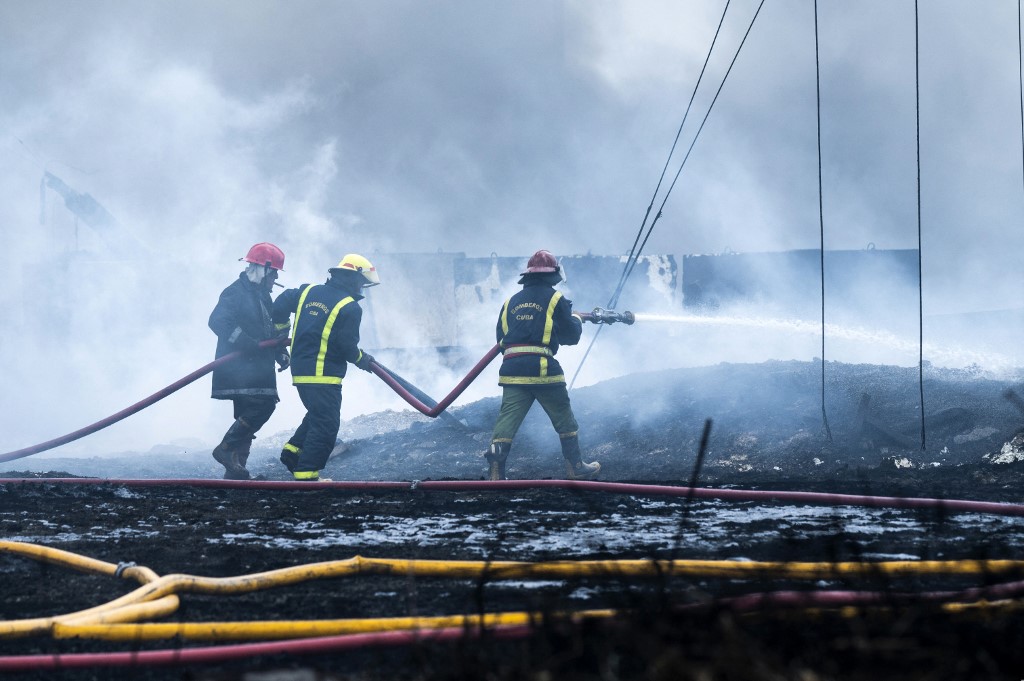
x: 400, y: 127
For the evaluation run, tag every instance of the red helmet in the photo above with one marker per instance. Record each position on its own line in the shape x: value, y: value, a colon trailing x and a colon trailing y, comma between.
x: 265, y: 254
x: 541, y: 261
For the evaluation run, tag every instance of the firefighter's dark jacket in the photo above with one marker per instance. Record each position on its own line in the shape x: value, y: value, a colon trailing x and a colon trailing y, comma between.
x: 325, y: 331
x: 531, y: 326
x: 241, y: 319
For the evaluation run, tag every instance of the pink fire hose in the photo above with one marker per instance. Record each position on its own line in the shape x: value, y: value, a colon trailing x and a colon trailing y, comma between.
x: 641, y: 489
x: 434, y: 411
x: 753, y: 602
x: 378, y: 369
x: 404, y: 389
x: 227, y: 653
x: 138, y: 406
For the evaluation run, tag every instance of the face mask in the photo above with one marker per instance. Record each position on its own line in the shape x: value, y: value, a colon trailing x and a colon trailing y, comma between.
x: 255, y: 273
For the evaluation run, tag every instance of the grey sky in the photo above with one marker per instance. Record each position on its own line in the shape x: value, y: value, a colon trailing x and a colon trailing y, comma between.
x: 410, y: 126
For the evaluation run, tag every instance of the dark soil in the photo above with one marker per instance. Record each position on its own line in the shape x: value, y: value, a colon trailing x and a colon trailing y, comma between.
x: 767, y: 433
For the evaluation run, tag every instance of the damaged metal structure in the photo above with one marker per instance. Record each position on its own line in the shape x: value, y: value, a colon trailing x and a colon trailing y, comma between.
x: 449, y: 301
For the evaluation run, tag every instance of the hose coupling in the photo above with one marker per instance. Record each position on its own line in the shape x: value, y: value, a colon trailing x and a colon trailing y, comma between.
x: 599, y: 315
x: 121, y: 567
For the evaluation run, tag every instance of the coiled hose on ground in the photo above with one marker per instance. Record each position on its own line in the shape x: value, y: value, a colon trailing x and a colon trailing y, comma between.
x: 123, y: 618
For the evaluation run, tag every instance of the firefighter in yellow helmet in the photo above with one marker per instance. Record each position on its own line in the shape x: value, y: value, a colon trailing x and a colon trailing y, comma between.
x: 531, y: 326
x: 325, y: 339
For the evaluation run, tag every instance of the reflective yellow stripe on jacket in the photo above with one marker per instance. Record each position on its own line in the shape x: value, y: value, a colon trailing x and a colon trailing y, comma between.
x: 527, y: 350
x: 549, y: 325
x: 504, y: 318
x: 321, y: 356
x: 542, y: 350
x: 549, y: 318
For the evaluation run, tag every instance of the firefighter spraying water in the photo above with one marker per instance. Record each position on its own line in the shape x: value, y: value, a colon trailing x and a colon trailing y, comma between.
x: 275, y: 348
x: 530, y: 328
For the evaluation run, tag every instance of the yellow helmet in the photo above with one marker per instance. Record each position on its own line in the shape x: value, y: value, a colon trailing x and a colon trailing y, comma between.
x: 357, y: 263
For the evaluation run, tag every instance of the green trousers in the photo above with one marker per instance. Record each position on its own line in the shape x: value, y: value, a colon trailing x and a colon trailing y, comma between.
x: 516, y: 401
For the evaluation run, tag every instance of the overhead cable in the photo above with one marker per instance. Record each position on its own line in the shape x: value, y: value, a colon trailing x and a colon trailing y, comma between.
x: 1020, y: 79
x: 821, y: 220
x: 637, y: 249
x: 920, y: 277
x: 668, y: 159
x: 636, y: 256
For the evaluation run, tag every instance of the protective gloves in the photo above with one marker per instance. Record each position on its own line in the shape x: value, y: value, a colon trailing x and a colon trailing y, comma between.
x: 364, y: 361
x: 284, y: 360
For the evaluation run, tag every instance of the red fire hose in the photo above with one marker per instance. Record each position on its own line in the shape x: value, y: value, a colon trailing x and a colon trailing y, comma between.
x: 227, y: 653
x: 380, y: 370
x: 383, y: 372
x: 752, y: 602
x: 138, y: 406
x: 597, y: 316
x: 639, y: 489
x: 385, y: 375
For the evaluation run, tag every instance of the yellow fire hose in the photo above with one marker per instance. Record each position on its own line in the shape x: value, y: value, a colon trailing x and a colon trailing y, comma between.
x: 158, y: 596
x: 285, y: 629
x: 75, y: 561
x: 78, y: 562
x: 290, y: 629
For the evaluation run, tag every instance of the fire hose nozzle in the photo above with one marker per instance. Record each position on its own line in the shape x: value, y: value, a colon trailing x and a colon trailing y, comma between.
x: 599, y: 315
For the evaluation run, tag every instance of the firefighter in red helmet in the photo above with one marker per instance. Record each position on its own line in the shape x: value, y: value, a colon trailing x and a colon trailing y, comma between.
x: 532, y: 325
x: 241, y: 319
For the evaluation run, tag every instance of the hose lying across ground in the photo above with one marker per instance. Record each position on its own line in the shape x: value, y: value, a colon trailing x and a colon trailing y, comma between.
x: 122, y: 619
x: 813, y: 498
x: 129, y: 618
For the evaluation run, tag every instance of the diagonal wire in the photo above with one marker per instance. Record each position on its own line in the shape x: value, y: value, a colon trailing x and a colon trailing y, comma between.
x: 629, y: 258
x: 675, y: 179
x: 661, y: 178
x: 1020, y: 76
x: 636, y: 251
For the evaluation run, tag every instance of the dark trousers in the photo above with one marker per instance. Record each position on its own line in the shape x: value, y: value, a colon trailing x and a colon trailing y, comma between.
x: 253, y: 412
x: 316, y: 435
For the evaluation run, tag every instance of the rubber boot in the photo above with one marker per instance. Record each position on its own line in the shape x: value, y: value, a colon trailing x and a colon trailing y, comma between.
x: 496, y: 457
x: 238, y: 435
x: 575, y: 467
x: 290, y: 456
x: 241, y: 455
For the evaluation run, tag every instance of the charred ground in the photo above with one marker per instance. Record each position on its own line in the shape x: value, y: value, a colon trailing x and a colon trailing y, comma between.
x: 768, y: 432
